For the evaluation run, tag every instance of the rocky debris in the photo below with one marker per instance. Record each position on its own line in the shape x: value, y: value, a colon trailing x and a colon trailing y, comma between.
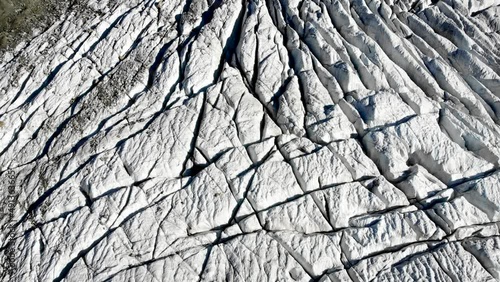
x: 279, y: 140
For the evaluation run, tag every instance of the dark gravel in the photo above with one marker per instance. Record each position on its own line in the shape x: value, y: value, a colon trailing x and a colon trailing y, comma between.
x: 20, y: 19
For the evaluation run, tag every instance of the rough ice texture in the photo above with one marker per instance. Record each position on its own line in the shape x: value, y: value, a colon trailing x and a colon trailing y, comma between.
x: 279, y: 140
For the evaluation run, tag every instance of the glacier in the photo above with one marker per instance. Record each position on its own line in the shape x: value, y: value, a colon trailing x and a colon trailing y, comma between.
x: 234, y: 140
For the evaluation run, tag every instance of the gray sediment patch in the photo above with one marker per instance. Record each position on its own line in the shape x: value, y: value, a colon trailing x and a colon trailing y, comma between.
x: 22, y: 19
